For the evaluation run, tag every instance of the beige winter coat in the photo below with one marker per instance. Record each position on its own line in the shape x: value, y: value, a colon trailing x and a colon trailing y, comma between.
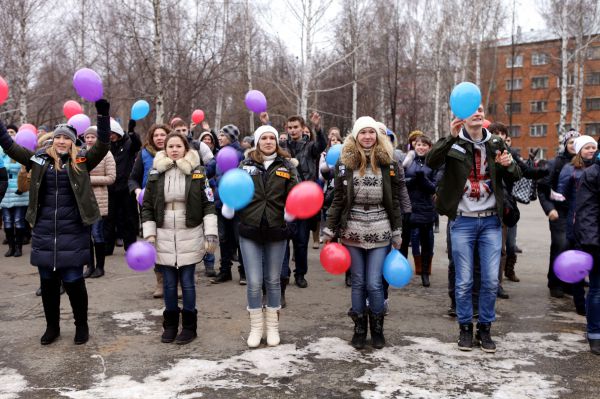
x: 176, y: 244
x: 101, y: 177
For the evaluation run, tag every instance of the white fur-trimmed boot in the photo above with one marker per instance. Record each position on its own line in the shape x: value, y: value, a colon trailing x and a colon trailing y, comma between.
x: 256, y: 327
x: 272, y: 322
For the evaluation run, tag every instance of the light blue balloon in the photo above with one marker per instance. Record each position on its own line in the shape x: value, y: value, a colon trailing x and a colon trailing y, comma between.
x: 236, y: 189
x: 139, y: 110
x: 333, y: 154
x: 465, y: 99
x: 396, y: 269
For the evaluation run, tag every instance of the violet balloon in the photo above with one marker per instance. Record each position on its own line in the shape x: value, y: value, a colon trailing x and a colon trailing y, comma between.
x: 80, y: 122
x: 256, y: 101
x: 140, y: 256
x: 227, y: 159
x: 27, y: 139
x: 88, y: 84
x: 141, y: 197
x: 572, y: 266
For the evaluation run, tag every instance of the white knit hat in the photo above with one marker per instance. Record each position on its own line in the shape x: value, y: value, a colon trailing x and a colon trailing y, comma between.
x: 115, y: 127
x: 265, y: 129
x: 582, y: 141
x: 364, y: 122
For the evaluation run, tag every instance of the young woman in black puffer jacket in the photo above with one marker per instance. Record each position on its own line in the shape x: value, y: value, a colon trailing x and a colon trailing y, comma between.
x: 62, y: 207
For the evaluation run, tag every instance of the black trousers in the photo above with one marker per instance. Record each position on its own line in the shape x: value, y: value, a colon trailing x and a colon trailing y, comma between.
x: 122, y: 220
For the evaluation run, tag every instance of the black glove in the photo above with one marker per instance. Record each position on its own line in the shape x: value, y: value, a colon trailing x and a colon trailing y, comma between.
x: 103, y: 107
x: 131, y: 126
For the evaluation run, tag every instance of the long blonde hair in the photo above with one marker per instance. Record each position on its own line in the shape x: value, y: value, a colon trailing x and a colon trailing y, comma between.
x: 51, y: 151
x: 382, y: 145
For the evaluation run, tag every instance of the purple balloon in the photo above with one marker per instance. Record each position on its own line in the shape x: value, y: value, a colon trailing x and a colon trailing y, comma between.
x: 27, y: 139
x: 88, y: 84
x: 140, y: 256
x: 80, y: 122
x: 227, y: 159
x: 572, y: 266
x: 256, y: 101
x: 141, y: 197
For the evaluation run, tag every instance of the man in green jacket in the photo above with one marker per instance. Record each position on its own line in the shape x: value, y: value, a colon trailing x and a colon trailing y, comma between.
x: 470, y: 193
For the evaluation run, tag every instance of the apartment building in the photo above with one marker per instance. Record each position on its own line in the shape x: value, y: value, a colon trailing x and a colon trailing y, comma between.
x: 528, y: 86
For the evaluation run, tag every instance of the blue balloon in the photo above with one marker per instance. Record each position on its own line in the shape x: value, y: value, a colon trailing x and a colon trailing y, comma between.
x: 465, y: 99
x: 236, y: 189
x: 333, y: 154
x: 139, y: 110
x: 396, y: 269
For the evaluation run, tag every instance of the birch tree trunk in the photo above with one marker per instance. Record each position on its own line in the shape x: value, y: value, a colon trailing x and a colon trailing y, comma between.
x: 564, y: 58
x: 159, y: 57
x: 307, y: 58
x: 248, y: 63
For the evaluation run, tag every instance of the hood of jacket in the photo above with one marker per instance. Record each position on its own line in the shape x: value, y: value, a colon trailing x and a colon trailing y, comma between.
x: 465, y: 136
x: 162, y: 162
x: 351, y: 156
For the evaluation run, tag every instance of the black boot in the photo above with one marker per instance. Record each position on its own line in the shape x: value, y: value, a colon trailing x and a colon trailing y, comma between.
x: 170, y: 325
x: 100, y: 250
x: 51, y: 300
x: 10, y: 237
x: 19, y: 236
x: 189, y: 321
x: 284, y: 283
x: 348, y: 278
x: 452, y: 309
x: 594, y: 346
x: 465, y: 340
x: 359, y: 339
x: 484, y: 338
x: 79, y: 303
x: 376, y: 327
x: 91, y: 266
x: 425, y: 269
x: 222, y: 277
x: 425, y: 280
x: 242, y: 273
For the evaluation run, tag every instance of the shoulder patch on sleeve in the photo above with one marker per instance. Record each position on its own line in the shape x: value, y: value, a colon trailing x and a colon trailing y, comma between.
x: 153, y: 172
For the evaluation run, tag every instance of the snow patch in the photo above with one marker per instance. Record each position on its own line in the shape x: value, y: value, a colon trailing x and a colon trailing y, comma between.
x: 134, y: 320
x: 11, y: 383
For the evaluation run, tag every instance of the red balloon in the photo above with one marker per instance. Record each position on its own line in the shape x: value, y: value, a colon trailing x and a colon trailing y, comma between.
x: 486, y: 123
x: 304, y: 200
x: 3, y: 90
x: 28, y: 126
x: 335, y: 258
x: 197, y: 116
x: 72, y: 108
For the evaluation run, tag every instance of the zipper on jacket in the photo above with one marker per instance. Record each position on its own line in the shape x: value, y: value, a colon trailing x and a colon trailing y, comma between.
x: 55, y: 213
x: 175, y: 237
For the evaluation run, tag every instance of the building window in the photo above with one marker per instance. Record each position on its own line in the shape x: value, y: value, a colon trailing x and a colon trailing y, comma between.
x: 567, y: 128
x: 538, y: 106
x: 515, y: 131
x: 592, y: 104
x: 515, y: 62
x: 538, y: 130
x: 569, y: 105
x: 592, y: 78
x: 491, y: 109
x: 539, y: 82
x: 592, y: 129
x: 514, y: 108
x: 570, y: 80
x: 594, y: 53
x: 539, y: 59
x: 515, y: 84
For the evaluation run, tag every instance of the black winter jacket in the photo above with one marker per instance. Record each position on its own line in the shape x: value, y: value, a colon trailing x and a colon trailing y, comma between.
x: 550, y: 182
x: 587, y: 209
x: 421, y: 183
x: 308, y: 154
x: 124, y: 151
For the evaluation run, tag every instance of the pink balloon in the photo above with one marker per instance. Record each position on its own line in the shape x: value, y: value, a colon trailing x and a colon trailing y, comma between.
x: 27, y: 139
x: 88, y: 84
x: 141, y: 256
x: 80, y: 122
x: 28, y: 126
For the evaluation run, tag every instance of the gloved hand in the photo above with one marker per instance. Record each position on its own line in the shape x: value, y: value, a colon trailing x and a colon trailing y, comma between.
x: 210, y: 243
x: 131, y: 126
x: 396, y: 240
x: 328, y: 235
x: 103, y: 107
x: 151, y: 240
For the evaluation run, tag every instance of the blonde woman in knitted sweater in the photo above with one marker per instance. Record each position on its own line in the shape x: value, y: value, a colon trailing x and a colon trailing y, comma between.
x: 180, y: 220
x: 366, y: 216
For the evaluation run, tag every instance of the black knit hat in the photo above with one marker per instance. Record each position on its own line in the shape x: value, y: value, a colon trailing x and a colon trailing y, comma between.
x: 231, y: 131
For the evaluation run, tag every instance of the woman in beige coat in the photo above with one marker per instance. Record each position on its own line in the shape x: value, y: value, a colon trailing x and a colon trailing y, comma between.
x: 101, y: 177
x: 181, y: 222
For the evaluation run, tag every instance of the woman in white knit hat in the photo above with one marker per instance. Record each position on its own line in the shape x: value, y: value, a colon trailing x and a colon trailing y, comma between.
x: 264, y: 231
x: 568, y: 181
x: 366, y: 216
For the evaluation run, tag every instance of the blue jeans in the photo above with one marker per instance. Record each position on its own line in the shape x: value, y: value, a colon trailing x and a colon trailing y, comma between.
x: 98, y: 232
x: 263, y: 263
x: 171, y: 277
x: 367, y: 275
x: 300, y: 242
x: 209, y: 260
x: 511, y: 240
x: 593, y: 303
x: 14, y: 217
x: 486, y: 233
x: 67, y: 274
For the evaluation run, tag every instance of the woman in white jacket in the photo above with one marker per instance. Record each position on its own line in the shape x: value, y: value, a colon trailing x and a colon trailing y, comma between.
x: 179, y: 219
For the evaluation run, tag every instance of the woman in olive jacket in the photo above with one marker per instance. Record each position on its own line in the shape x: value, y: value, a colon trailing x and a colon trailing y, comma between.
x: 366, y: 215
x: 180, y: 220
x: 264, y: 232
x: 62, y: 207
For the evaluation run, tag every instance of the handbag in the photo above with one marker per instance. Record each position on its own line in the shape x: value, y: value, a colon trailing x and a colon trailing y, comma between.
x: 23, y: 180
x: 523, y: 190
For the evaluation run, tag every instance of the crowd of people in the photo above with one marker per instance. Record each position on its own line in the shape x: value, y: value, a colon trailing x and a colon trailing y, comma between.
x: 77, y: 197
